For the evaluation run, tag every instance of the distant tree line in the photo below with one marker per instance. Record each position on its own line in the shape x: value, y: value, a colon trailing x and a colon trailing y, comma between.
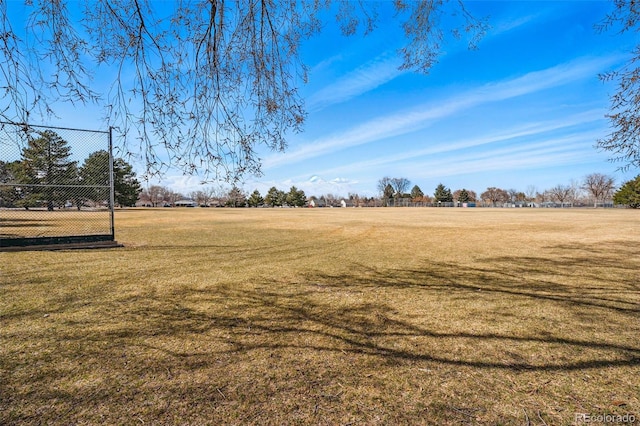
x: 595, y: 189
x: 161, y: 196
x: 219, y: 196
x: 45, y: 176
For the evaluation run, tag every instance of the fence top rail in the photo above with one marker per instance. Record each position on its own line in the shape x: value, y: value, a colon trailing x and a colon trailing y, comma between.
x: 9, y: 123
x: 54, y: 185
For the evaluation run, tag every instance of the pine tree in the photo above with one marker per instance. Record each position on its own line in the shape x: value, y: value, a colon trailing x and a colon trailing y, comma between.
x: 255, y: 199
x: 387, y: 194
x: 463, y: 197
x: 236, y: 198
x: 95, y: 172
x: 45, y: 161
x: 125, y: 185
x: 9, y: 194
x: 442, y: 194
x: 629, y: 193
x: 416, y: 193
x: 296, y: 197
x: 275, y: 197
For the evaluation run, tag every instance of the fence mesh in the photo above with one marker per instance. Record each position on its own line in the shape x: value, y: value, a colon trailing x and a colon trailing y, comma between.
x: 55, y: 185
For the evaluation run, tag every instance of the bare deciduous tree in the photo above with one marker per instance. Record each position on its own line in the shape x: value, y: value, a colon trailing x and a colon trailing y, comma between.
x: 495, y: 195
x: 561, y: 194
x: 154, y: 194
x: 599, y: 186
x: 530, y: 193
x: 199, y: 84
x: 400, y: 185
x: 576, y: 191
x: 383, y: 184
x: 624, y: 140
x: 542, y: 197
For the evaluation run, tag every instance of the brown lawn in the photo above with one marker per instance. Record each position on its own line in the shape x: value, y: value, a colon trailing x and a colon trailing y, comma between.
x: 328, y: 316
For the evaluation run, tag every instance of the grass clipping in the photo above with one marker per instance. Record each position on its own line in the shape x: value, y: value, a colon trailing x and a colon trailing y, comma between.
x: 328, y: 316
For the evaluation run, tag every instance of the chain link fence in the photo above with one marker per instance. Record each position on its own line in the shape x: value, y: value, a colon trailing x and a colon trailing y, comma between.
x: 55, y: 185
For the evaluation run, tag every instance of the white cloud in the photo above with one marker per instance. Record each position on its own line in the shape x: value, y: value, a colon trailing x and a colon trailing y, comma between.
x: 524, y: 130
x: 550, y: 152
x: 512, y: 24
x: 367, y: 77
x: 180, y: 183
x: 409, y: 121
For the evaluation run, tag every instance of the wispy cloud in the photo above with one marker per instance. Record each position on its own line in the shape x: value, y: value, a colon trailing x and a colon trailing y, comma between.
x: 532, y: 129
x: 363, y: 79
x: 423, y: 115
x: 181, y: 183
x: 512, y: 24
x: 564, y: 150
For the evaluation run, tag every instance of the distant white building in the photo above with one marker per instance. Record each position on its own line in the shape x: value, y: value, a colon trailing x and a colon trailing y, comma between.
x: 185, y: 203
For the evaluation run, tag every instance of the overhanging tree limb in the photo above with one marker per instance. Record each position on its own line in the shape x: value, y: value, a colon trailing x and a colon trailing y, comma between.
x: 199, y: 84
x: 624, y: 140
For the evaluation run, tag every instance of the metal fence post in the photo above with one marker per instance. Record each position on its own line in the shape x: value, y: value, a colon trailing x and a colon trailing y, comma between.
x: 112, y: 194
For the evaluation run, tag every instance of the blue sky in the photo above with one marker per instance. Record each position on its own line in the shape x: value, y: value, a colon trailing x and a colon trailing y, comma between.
x: 525, y: 108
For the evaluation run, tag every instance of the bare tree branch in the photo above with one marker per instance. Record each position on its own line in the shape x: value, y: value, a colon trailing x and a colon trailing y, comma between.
x: 198, y: 84
x: 624, y: 140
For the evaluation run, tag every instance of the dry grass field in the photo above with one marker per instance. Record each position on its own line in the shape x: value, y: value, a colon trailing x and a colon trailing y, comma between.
x: 328, y: 316
x: 20, y: 223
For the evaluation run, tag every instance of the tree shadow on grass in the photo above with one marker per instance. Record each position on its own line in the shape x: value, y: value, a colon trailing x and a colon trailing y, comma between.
x: 368, y: 329
x: 608, y: 279
x: 23, y: 222
x: 274, y: 317
x: 17, y: 224
x: 148, y: 335
x: 298, y: 317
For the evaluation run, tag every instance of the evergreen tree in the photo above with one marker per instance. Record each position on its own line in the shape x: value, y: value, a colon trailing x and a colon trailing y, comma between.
x: 45, y: 161
x: 76, y: 194
x: 442, y: 194
x: 629, y: 194
x: 275, y: 197
x: 464, y: 197
x: 416, y: 193
x: 387, y: 194
x: 95, y: 172
x: 125, y: 185
x: 236, y: 198
x: 296, y: 197
x: 255, y: 199
x: 9, y: 195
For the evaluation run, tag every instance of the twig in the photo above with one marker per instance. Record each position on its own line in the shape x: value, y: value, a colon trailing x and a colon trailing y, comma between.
x: 461, y: 412
x: 526, y: 417
x: 330, y: 396
x: 220, y: 392
x: 540, y: 417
